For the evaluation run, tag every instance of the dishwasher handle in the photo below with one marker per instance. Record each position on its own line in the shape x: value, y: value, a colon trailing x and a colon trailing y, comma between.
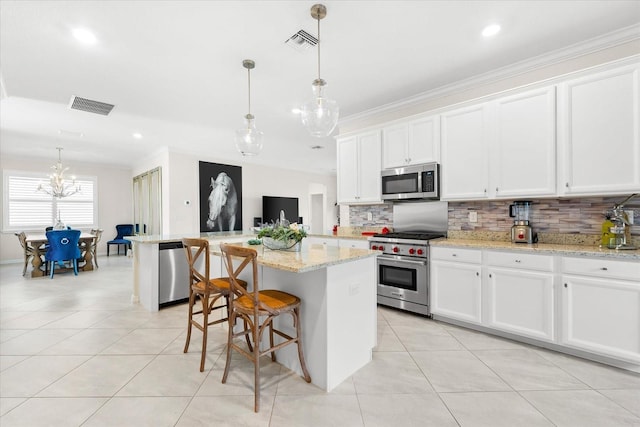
x: 170, y: 245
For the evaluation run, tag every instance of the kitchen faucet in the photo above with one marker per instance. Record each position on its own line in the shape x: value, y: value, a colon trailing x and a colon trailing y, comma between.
x: 623, y: 223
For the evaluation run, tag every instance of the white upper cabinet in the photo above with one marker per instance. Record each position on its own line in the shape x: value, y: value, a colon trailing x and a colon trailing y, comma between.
x: 523, y: 160
x: 409, y: 143
x: 359, y: 166
x: 599, y: 133
x: 500, y: 149
x: 464, y: 149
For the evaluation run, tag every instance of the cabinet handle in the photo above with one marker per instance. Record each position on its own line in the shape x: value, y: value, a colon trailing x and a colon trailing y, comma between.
x: 490, y: 275
x: 604, y: 269
x: 496, y: 189
x: 485, y: 190
x: 566, y: 184
x: 477, y: 274
x: 565, y: 285
x: 518, y: 261
x: 454, y: 254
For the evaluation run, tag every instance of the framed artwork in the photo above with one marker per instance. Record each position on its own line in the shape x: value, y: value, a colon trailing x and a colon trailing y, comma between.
x: 220, y: 197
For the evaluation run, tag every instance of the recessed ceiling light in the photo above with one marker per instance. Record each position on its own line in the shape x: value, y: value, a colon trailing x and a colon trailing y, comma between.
x: 491, y: 30
x: 85, y: 36
x: 137, y: 135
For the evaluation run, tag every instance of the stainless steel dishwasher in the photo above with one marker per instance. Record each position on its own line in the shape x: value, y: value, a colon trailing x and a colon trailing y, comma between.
x: 173, y: 274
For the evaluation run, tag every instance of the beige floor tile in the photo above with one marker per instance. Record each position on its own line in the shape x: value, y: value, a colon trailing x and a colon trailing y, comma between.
x: 139, y: 411
x: 143, y: 341
x: 35, y: 341
x: 33, y: 374
x: 99, y: 376
x: 473, y: 340
x: 87, y: 341
x: 316, y: 410
x: 36, y: 319
x: 7, y: 334
x: 46, y: 412
x: 628, y: 399
x: 226, y: 411
x: 167, y: 375
x: 387, y: 339
x: 526, y: 370
x: 383, y: 410
x: 9, y: 361
x: 79, y: 320
x: 426, y: 337
x: 240, y: 380
x: 580, y: 408
x: 8, y: 403
x: 391, y: 372
x: 494, y: 409
x: 450, y: 371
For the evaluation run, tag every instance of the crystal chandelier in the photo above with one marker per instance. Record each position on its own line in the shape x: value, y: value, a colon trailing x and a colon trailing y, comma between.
x: 57, y: 186
x: 320, y: 114
x: 249, y: 139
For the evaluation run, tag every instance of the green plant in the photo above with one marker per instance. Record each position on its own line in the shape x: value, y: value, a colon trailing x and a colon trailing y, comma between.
x: 283, y: 232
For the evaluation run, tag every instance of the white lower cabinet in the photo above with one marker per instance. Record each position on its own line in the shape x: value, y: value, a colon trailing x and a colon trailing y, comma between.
x: 456, y: 284
x: 520, y: 299
x: 353, y: 243
x: 601, y: 310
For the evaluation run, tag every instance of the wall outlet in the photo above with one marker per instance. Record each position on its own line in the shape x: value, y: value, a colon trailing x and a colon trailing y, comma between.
x: 473, y: 216
x: 369, y: 216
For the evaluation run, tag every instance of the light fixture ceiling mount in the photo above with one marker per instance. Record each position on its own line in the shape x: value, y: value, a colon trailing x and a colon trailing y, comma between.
x: 249, y: 139
x: 320, y: 114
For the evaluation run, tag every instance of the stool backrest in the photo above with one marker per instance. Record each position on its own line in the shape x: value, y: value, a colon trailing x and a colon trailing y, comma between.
x: 196, y: 250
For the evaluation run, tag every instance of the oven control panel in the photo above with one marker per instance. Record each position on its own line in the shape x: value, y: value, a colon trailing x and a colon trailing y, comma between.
x: 401, y: 249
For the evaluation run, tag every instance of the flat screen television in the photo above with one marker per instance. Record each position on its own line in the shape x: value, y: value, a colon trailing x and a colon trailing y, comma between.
x: 271, y: 207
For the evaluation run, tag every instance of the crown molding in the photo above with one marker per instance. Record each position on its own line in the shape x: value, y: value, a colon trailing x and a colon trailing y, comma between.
x: 606, y: 41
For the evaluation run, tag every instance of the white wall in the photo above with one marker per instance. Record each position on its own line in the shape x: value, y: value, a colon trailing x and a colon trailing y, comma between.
x: 115, y: 203
x: 180, y: 182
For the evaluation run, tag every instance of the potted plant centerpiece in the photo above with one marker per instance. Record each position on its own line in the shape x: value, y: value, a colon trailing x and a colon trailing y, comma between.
x: 282, y: 235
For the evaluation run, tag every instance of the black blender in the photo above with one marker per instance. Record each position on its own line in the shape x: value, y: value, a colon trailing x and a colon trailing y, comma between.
x: 521, y: 231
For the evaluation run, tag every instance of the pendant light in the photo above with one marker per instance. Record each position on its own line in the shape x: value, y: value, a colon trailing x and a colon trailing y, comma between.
x: 320, y: 114
x: 249, y: 139
x: 58, y: 186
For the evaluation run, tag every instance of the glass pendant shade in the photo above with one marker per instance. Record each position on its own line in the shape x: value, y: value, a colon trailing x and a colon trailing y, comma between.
x: 249, y: 139
x: 320, y: 114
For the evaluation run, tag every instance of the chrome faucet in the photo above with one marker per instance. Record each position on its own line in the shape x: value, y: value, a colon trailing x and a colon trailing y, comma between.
x: 623, y: 223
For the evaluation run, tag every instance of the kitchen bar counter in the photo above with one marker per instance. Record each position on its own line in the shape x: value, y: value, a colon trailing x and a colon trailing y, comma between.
x: 541, y: 248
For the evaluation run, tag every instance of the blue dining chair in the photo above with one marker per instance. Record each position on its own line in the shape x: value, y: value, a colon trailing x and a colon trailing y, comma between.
x: 122, y: 230
x: 63, y: 246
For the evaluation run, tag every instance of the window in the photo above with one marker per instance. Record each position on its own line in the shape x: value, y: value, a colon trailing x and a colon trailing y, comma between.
x: 26, y: 208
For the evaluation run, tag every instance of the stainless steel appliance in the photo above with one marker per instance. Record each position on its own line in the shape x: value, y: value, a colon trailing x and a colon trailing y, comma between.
x: 521, y: 231
x: 403, y: 264
x: 173, y: 274
x: 411, y: 182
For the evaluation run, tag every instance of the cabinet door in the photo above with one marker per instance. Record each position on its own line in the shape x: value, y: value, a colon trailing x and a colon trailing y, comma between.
x: 424, y: 140
x: 464, y: 153
x: 370, y: 163
x: 523, y: 158
x: 354, y: 243
x: 456, y: 291
x: 602, y: 316
x: 521, y: 302
x: 347, y: 170
x: 394, y: 146
x: 600, y: 133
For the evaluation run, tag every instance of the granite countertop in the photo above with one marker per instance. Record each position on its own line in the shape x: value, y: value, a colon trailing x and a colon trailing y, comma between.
x: 220, y: 235
x: 540, y: 248
x: 310, y: 258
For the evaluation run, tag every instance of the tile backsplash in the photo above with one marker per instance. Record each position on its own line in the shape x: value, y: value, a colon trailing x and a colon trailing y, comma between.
x: 552, y: 216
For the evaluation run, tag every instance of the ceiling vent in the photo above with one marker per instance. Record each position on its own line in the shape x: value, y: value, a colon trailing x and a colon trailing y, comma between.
x: 302, y: 41
x: 96, y: 107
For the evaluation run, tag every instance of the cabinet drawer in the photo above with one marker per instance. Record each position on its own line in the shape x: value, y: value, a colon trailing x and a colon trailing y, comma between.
x: 629, y: 270
x: 457, y: 254
x: 520, y: 260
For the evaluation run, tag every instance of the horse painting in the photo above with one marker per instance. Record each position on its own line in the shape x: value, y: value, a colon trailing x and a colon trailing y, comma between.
x: 223, y: 203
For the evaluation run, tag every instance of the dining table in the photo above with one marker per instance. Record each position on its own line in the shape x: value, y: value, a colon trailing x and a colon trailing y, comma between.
x: 39, y: 241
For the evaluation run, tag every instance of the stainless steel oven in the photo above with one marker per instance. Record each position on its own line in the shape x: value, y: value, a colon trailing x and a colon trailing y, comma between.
x: 403, y: 281
x: 402, y: 268
x: 411, y: 182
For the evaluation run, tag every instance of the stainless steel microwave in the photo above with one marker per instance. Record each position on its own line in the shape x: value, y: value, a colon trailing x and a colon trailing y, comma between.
x: 411, y: 182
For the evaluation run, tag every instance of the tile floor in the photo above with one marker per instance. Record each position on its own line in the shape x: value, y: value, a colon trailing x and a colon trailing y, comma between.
x: 75, y: 352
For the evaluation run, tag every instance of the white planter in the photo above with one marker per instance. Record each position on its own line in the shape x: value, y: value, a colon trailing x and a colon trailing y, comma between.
x: 290, y: 245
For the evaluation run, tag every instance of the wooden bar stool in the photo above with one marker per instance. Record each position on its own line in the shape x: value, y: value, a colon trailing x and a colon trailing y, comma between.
x: 252, y: 306
x: 206, y: 290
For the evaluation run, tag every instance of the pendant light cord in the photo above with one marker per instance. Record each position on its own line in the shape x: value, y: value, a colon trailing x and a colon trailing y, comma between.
x: 249, y: 86
x: 318, y: 48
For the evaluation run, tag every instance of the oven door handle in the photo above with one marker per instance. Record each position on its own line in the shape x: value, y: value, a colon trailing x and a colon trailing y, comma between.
x: 383, y: 258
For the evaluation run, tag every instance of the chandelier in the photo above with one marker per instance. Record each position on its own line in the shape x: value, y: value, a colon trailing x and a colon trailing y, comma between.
x: 249, y: 139
x: 320, y: 114
x: 57, y: 186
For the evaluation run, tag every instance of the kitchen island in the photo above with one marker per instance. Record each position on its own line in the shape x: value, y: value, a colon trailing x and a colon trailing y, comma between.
x: 337, y: 289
